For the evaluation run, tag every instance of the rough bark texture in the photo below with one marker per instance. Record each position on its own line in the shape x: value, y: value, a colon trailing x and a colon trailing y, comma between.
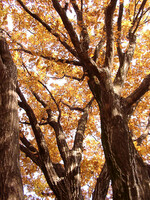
x: 127, y: 171
x: 64, y: 181
x: 102, y: 184
x: 10, y: 177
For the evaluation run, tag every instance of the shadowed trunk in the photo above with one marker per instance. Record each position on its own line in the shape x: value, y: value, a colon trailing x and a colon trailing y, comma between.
x: 128, y: 173
x: 10, y: 177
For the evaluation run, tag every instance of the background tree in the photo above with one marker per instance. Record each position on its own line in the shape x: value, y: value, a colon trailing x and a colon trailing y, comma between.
x: 10, y: 176
x: 77, y: 59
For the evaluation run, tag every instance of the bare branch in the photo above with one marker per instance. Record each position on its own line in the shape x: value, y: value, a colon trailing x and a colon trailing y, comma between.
x: 62, y: 41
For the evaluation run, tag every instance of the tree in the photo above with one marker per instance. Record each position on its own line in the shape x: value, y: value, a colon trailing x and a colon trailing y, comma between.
x: 96, y: 48
x: 10, y: 176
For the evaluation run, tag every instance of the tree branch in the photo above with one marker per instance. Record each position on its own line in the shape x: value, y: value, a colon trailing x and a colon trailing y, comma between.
x: 81, y: 127
x: 51, y: 95
x: 51, y: 58
x: 138, y: 17
x: 61, y: 141
x: 109, y: 33
x: 84, y: 36
x: 125, y: 61
x: 34, y: 157
x: 102, y: 184
x: 68, y: 26
x: 36, y: 17
x: 59, y: 169
x: 98, y: 48
x: 28, y: 144
x: 119, y: 30
x: 75, y: 78
x: 73, y: 107
x: 62, y: 145
x: 28, y: 123
x: 126, y: 58
x: 138, y: 93
x: 145, y: 134
x: 47, y: 167
x: 35, y: 126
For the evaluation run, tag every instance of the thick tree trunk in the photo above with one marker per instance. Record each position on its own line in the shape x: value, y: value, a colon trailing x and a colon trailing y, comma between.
x: 129, y: 175
x: 10, y: 177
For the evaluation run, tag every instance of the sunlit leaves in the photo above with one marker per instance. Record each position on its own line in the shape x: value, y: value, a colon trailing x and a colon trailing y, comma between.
x: 61, y: 78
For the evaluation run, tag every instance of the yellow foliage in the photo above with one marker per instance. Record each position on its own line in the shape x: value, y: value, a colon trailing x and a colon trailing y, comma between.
x: 46, y: 63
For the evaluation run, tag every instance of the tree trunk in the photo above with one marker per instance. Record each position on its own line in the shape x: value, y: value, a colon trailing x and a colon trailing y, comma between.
x: 129, y: 175
x: 10, y: 177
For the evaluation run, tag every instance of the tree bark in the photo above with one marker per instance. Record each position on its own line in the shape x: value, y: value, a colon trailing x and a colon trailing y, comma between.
x: 129, y: 174
x: 10, y: 176
x: 102, y: 184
